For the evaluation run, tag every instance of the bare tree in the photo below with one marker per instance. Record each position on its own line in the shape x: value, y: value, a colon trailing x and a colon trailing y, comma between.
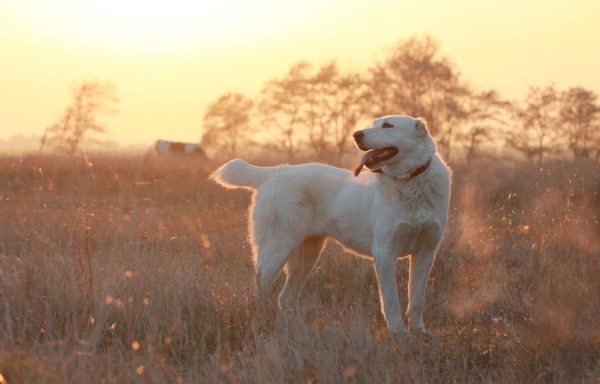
x: 350, y: 108
x: 335, y: 104
x: 281, y: 108
x: 320, y: 88
x: 580, y: 120
x: 90, y: 98
x: 415, y: 79
x: 536, y: 134
x: 488, y: 114
x: 227, y: 123
x: 314, y: 107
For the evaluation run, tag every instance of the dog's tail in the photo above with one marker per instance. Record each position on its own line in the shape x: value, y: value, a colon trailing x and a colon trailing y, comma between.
x: 239, y: 174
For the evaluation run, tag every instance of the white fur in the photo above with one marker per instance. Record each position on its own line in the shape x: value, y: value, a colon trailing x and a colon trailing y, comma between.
x: 296, y: 208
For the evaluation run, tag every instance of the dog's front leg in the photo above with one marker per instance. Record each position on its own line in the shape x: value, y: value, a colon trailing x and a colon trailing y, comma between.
x: 418, y: 273
x: 385, y: 268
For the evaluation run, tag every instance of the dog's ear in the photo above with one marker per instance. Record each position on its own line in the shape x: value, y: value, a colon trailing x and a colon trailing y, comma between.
x: 421, y: 127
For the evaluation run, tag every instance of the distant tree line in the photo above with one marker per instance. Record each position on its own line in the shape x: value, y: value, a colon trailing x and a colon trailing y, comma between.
x: 316, y: 109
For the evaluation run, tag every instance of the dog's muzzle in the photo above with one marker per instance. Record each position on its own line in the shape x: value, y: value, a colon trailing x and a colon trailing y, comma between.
x: 358, y: 138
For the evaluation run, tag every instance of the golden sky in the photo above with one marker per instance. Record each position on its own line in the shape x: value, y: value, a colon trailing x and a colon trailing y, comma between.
x: 170, y: 58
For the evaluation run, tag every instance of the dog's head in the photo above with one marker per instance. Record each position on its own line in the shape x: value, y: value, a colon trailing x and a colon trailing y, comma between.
x: 395, y: 144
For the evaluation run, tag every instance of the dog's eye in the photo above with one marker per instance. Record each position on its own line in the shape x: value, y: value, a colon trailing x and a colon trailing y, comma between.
x: 387, y: 125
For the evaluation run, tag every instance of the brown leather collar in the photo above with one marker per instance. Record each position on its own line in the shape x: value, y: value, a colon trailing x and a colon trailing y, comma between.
x: 413, y: 174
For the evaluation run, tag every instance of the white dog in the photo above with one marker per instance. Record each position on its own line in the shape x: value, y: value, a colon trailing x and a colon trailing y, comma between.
x: 399, y: 210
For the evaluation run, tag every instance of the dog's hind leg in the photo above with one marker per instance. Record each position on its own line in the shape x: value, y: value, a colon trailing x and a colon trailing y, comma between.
x: 272, y: 255
x: 299, y: 266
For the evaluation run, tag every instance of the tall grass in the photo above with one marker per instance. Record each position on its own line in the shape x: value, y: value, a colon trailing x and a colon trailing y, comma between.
x: 132, y: 269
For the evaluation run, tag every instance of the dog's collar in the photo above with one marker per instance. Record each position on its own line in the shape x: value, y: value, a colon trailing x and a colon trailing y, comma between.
x: 407, y: 176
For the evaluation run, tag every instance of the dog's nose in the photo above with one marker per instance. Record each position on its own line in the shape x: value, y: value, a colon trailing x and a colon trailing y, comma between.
x: 358, y: 135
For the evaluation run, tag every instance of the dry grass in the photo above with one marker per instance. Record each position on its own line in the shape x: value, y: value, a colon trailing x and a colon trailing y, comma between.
x: 136, y: 270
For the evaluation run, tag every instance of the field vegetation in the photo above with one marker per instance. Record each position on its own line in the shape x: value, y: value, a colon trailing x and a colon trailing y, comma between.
x: 137, y: 269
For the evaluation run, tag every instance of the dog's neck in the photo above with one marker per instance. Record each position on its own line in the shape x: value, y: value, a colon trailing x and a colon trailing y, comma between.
x: 407, y: 176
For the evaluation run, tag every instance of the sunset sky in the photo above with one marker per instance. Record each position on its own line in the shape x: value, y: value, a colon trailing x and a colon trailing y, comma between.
x: 169, y: 59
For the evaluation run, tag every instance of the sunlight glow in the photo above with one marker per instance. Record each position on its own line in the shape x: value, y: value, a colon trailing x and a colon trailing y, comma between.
x: 155, y: 27
x: 170, y: 59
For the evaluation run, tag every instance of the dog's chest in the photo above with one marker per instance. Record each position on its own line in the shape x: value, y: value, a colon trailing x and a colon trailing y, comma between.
x: 416, y: 203
x: 409, y: 236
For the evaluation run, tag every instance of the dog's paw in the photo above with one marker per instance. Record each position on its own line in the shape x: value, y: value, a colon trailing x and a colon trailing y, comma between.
x: 422, y: 334
x: 398, y: 330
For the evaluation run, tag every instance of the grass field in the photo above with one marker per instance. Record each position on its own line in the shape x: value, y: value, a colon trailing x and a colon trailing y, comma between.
x: 134, y: 269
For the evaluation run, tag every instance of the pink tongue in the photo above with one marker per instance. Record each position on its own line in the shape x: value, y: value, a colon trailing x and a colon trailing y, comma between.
x: 363, y: 161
